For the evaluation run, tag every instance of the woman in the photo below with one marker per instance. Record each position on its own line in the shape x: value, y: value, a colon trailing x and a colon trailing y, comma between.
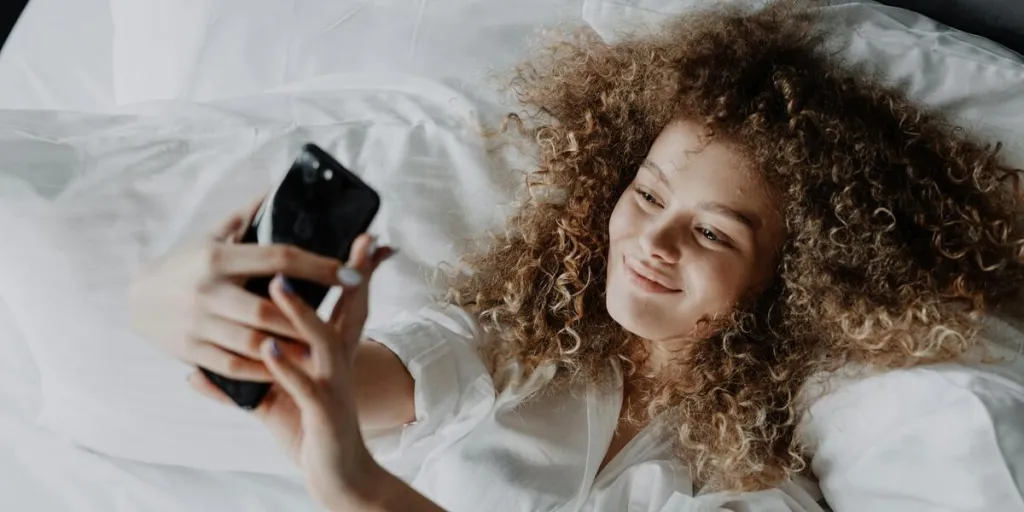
x: 720, y: 213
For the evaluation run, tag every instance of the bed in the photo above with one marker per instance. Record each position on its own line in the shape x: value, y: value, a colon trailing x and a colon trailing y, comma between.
x: 127, y: 125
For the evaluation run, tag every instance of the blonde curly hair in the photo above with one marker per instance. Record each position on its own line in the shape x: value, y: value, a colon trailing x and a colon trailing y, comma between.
x: 900, y: 229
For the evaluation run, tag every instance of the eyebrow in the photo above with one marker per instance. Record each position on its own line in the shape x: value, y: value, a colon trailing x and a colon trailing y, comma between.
x: 653, y: 167
x: 751, y: 221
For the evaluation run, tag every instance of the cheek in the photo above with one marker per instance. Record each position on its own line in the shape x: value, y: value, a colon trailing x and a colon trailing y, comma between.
x: 717, y: 281
x: 624, y: 221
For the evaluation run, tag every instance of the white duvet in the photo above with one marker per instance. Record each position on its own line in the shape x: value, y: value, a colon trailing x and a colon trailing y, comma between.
x: 84, y: 199
x: 39, y: 472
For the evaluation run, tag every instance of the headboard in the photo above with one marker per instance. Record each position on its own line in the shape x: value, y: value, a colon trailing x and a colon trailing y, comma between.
x: 9, y: 16
x: 1001, y: 21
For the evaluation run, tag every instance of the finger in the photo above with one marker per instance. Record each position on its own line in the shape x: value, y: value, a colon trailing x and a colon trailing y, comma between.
x: 230, y: 365
x: 226, y: 230
x: 243, y: 340
x: 200, y: 383
x: 247, y: 260
x: 232, y: 303
x: 238, y: 221
x: 297, y: 383
x: 352, y: 275
x: 280, y: 414
x: 311, y: 329
x: 233, y: 336
x: 352, y: 309
x: 380, y: 255
x: 360, y: 255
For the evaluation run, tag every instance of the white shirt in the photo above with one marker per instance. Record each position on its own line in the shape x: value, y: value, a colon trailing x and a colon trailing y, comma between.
x: 471, y: 449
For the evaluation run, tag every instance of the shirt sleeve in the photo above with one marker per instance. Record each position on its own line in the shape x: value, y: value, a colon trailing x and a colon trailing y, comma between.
x: 922, y: 440
x: 453, y: 389
x: 789, y: 497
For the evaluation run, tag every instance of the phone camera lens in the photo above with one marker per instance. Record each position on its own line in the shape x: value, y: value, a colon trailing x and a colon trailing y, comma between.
x: 309, y: 175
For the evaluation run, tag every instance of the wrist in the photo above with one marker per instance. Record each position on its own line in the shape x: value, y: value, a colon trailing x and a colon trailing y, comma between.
x: 365, y: 490
x: 377, y: 490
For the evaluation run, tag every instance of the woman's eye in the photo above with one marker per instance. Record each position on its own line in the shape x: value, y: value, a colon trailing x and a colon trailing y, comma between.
x: 646, y: 196
x: 710, y: 235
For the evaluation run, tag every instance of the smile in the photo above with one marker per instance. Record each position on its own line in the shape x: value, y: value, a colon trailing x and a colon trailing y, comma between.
x: 646, y: 280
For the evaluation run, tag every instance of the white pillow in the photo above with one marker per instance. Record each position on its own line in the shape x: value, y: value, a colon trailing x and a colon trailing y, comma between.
x: 935, y: 437
x: 210, y: 49
x: 146, y: 183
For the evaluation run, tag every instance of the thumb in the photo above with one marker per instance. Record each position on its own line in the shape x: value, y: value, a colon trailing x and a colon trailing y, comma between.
x: 234, y: 226
x: 291, y: 377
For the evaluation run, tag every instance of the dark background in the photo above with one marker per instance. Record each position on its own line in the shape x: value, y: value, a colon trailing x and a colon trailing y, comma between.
x: 999, y: 20
x: 8, y: 15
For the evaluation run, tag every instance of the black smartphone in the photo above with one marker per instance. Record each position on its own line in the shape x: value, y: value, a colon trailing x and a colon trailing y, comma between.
x: 319, y: 206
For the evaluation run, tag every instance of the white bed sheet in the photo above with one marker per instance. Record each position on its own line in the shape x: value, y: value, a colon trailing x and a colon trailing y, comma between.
x: 204, y: 50
x: 40, y: 472
x: 59, y: 57
x: 174, y: 172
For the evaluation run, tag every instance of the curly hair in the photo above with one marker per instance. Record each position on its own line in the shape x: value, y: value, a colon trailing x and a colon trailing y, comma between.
x: 900, y: 229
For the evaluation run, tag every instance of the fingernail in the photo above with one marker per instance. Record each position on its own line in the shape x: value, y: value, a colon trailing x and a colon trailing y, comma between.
x: 285, y: 285
x: 275, y: 350
x: 371, y: 248
x: 350, y: 277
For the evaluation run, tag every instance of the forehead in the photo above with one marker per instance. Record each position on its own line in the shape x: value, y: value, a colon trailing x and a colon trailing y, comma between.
x: 698, y: 165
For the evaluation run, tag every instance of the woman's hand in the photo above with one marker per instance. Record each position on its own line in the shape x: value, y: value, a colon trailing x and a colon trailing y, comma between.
x: 191, y: 302
x: 324, y: 436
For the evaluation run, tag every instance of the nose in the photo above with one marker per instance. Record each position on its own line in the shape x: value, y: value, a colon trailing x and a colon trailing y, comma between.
x: 661, y: 242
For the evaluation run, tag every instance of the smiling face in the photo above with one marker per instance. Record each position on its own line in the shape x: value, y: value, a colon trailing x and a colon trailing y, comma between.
x: 694, y: 232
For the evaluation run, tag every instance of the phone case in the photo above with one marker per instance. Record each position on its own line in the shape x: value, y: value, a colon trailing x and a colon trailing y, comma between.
x: 319, y: 206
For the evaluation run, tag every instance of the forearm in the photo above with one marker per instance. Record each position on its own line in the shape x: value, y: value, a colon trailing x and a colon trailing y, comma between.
x: 384, y: 388
x: 383, y: 492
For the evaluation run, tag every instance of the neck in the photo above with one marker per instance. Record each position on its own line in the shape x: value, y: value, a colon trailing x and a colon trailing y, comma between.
x: 658, y: 357
x: 662, y: 355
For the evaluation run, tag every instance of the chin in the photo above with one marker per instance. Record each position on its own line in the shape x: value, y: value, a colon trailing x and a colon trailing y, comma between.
x: 639, y: 319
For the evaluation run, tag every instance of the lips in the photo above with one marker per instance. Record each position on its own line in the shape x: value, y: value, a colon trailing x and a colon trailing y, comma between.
x: 648, y: 279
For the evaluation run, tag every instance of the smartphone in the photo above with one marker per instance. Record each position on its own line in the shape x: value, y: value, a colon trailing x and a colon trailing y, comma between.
x: 319, y: 206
